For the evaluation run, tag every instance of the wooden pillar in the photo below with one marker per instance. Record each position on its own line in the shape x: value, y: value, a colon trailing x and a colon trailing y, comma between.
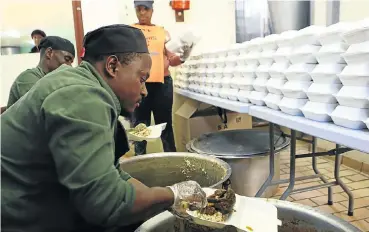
x: 78, y: 27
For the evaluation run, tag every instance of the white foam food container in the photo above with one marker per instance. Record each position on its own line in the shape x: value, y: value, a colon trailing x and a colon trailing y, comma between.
x: 236, y: 81
x: 241, y: 61
x: 304, y: 54
x: 331, y: 53
x: 308, y: 35
x: 234, y: 50
x: 257, y: 98
x: 232, y: 94
x: 269, y: 42
x: 292, y: 106
x: 207, y: 90
x: 274, y: 85
x: 327, y: 73
x: 260, y: 84
x: 249, y: 71
x: 277, y: 70
x: 282, y: 54
x: 267, y: 57
x: 333, y: 33
x: 357, y: 53
x: 249, y: 215
x: 353, y: 96
x: 228, y: 71
x: 254, y: 45
x: 220, y: 62
x: 272, y: 101
x: 243, y: 96
x: 358, y: 33
x: 299, y: 72
x: 247, y: 84
x: 244, y: 48
x: 252, y: 58
x: 217, y: 81
x: 323, y: 93
x: 317, y: 111
x: 296, y: 89
x: 355, y: 75
x: 366, y: 122
x: 285, y: 38
x: 224, y: 92
x: 214, y: 91
x: 226, y: 82
x: 350, y: 117
x: 191, y: 87
x: 262, y: 71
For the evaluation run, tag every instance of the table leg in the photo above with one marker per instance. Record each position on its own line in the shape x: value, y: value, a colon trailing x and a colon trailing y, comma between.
x: 292, y: 166
x: 337, y: 164
x: 268, y: 181
x: 315, y: 168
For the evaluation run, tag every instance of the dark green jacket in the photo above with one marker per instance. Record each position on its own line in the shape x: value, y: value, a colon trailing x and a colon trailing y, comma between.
x: 23, y: 83
x: 57, y: 155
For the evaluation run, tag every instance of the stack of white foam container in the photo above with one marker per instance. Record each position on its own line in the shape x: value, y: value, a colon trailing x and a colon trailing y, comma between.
x: 353, y: 98
x: 252, y: 61
x: 211, y: 65
x: 238, y: 80
x: 277, y: 69
x: 231, y: 73
x: 218, y: 72
x: 268, y: 47
x: 325, y: 75
x: 247, y: 69
x: 298, y: 73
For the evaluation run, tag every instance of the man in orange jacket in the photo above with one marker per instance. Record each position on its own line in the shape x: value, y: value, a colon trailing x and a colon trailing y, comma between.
x: 160, y: 84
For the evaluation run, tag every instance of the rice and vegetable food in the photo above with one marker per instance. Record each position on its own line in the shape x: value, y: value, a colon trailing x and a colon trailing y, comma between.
x: 141, y: 130
x: 220, y: 206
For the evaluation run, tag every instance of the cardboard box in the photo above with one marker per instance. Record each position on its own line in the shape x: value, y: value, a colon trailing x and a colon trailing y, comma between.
x: 194, y: 118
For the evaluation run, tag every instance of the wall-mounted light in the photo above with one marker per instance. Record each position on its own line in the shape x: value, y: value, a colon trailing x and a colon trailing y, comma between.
x: 179, y: 6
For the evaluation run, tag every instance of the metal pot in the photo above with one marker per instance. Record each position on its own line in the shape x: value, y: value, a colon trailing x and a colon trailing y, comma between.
x: 247, y: 152
x: 164, y: 169
x: 295, y: 218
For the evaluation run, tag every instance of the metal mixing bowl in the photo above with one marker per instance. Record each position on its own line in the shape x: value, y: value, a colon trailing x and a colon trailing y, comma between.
x: 164, y: 169
x: 295, y: 218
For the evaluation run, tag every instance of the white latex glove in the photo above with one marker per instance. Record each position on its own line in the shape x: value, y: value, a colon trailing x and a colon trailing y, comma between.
x: 190, y: 192
x: 185, y: 52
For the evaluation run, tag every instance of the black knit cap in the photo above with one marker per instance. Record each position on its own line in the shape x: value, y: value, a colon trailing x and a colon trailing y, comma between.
x: 57, y: 43
x: 38, y: 32
x: 114, y: 39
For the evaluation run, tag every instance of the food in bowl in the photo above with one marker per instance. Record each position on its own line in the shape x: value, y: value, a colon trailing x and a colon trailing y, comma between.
x: 141, y: 130
x: 219, y: 208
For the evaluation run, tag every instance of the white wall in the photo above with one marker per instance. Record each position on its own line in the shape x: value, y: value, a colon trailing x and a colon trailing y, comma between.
x: 214, y: 20
x: 10, y: 67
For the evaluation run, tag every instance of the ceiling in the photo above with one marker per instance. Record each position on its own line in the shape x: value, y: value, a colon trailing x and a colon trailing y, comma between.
x: 18, y: 18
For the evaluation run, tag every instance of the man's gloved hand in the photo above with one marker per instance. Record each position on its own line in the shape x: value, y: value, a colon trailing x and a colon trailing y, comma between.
x: 189, y: 192
x: 185, y: 52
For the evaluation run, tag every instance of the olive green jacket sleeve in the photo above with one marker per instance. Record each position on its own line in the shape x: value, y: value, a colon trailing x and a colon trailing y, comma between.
x: 79, y: 122
x: 24, y: 82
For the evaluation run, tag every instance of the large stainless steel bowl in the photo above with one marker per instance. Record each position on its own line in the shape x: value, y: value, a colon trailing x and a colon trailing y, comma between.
x: 164, y: 169
x: 295, y: 218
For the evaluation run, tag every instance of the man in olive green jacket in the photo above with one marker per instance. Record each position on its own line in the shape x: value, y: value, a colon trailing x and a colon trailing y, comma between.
x: 54, y: 52
x: 57, y: 146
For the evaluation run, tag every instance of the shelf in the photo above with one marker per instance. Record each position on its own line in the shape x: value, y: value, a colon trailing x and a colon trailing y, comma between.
x: 215, y: 101
x: 355, y: 139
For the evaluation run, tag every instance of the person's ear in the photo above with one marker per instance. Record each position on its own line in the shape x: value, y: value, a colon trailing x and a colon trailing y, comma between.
x: 111, y: 66
x: 49, y: 53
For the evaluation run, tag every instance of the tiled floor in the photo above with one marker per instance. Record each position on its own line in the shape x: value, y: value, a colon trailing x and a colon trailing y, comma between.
x: 356, y: 181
